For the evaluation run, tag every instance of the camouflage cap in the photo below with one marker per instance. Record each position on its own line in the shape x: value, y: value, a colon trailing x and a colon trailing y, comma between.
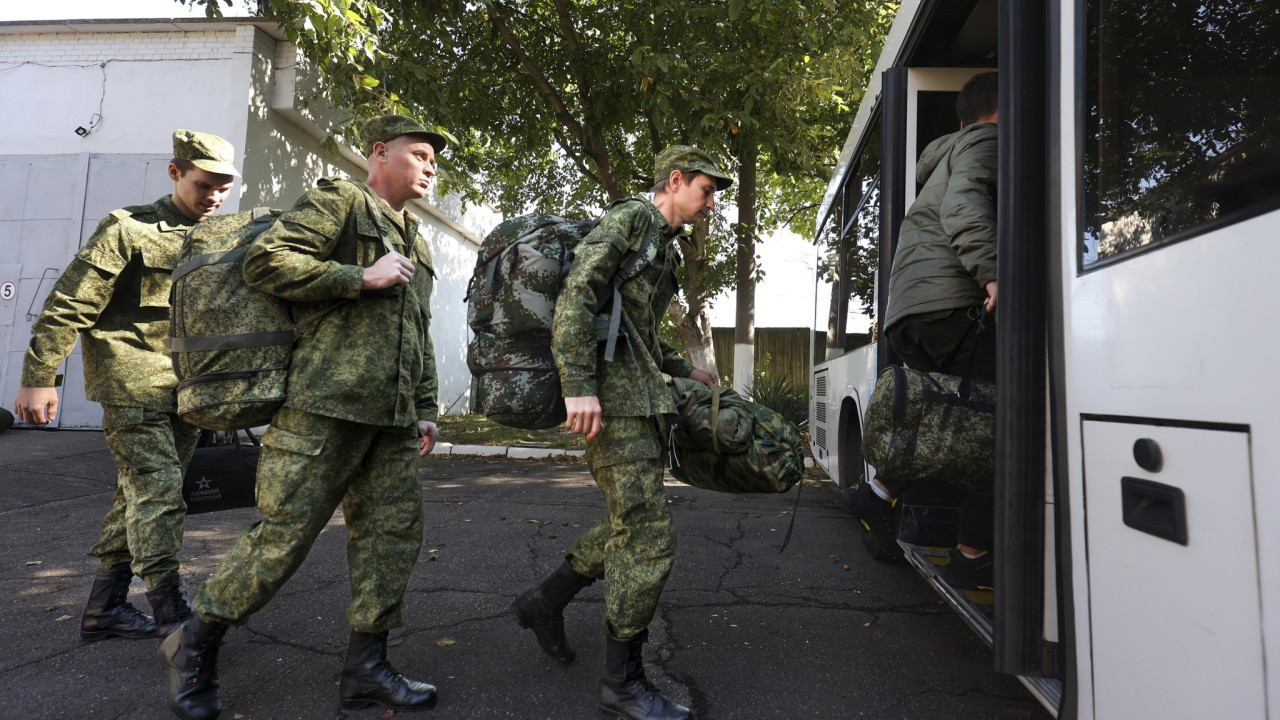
x: 205, y: 151
x: 687, y: 158
x: 385, y: 128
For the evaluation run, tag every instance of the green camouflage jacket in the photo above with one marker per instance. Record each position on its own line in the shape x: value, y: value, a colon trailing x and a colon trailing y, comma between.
x: 631, y: 385
x: 370, y: 360
x: 947, y: 246
x: 115, y: 295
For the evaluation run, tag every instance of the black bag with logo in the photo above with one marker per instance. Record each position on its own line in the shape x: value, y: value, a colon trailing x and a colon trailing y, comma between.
x: 222, y: 472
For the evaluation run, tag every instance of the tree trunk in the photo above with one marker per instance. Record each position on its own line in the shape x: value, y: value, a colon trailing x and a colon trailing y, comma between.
x: 744, y: 334
x: 693, y: 324
x: 695, y: 333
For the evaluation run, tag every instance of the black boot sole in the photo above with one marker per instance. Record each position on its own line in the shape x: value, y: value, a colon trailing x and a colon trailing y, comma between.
x: 364, y: 703
x: 608, y: 714
x: 96, y: 635
x: 527, y: 624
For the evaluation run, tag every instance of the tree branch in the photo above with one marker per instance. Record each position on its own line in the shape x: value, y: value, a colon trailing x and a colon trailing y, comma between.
x: 799, y: 210
x: 571, y: 41
x: 539, y: 78
x: 591, y: 142
x: 574, y: 156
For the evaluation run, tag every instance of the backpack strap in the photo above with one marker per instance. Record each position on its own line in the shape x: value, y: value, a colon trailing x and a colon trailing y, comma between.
x: 375, y: 212
x: 631, y: 266
x: 263, y: 217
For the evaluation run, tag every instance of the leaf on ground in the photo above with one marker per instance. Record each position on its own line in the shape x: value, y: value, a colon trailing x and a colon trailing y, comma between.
x: 396, y: 642
x: 62, y: 618
x: 34, y: 562
x: 444, y: 641
x: 387, y: 714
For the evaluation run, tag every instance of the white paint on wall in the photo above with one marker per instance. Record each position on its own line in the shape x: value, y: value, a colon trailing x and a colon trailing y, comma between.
x: 130, y: 84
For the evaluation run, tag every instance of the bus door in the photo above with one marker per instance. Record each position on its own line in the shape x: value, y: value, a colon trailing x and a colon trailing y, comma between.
x: 1167, y: 357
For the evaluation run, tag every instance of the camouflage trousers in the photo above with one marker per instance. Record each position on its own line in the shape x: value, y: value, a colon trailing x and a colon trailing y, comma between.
x: 144, y: 526
x: 309, y: 464
x: 633, y: 547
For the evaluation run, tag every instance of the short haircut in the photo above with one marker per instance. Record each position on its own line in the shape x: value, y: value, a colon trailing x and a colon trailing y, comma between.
x: 184, y: 166
x: 661, y: 185
x: 979, y: 98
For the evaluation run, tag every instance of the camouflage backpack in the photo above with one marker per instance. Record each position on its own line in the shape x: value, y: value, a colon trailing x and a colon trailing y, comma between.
x: 231, y: 344
x: 720, y: 441
x: 511, y: 301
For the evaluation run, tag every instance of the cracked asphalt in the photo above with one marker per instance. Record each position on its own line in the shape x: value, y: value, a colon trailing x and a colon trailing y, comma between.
x: 818, y: 632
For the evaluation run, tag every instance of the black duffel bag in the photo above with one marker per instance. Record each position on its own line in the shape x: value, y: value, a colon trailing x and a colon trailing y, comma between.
x: 222, y: 472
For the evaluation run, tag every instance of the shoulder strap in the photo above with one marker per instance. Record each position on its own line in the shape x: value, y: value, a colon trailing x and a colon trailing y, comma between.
x: 631, y: 266
x: 375, y: 212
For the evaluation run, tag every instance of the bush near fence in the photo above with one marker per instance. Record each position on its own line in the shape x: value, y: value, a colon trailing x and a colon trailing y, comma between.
x: 780, y: 352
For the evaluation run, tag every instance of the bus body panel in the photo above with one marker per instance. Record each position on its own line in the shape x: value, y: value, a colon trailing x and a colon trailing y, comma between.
x: 1176, y: 628
x: 842, y: 386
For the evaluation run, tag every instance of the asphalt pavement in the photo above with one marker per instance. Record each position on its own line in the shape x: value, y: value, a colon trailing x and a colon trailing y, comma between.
x: 817, y: 632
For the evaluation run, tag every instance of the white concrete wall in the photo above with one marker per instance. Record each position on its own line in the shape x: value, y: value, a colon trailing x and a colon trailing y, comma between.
x: 132, y: 84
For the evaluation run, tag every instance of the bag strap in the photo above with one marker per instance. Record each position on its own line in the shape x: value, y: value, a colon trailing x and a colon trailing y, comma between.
x: 794, y: 510
x: 376, y: 213
x: 966, y: 378
x: 631, y: 266
x: 716, y: 391
x: 309, y: 322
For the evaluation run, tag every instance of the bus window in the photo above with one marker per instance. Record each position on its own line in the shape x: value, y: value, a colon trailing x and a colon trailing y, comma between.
x: 847, y: 261
x: 1182, y: 120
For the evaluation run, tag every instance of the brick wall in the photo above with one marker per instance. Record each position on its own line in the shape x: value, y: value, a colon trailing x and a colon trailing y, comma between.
x: 98, y: 47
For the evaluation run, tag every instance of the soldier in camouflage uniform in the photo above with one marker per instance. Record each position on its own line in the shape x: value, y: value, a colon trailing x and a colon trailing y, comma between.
x: 619, y: 406
x: 359, y: 412
x: 114, y: 295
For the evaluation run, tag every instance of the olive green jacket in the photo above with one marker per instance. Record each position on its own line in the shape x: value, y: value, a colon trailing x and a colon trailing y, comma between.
x: 370, y: 359
x: 947, y: 246
x: 114, y: 295
x: 632, y: 384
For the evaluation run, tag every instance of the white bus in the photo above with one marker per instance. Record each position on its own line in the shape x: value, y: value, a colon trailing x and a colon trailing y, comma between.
x: 1137, y: 550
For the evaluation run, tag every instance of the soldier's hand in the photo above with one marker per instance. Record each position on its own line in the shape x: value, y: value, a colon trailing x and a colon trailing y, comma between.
x: 36, y: 405
x: 990, y: 302
x: 391, y: 269
x: 584, y: 415
x: 704, y: 377
x: 429, y: 434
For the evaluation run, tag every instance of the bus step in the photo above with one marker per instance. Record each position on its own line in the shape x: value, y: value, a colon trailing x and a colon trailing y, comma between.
x: 973, y: 607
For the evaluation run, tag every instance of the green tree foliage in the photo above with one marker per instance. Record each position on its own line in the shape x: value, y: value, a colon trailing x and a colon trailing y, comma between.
x: 561, y: 105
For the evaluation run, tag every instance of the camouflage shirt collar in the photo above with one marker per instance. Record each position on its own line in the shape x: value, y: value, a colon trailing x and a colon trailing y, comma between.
x: 169, y: 217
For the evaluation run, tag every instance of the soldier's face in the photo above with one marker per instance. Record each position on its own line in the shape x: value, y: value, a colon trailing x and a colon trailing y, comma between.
x: 409, y: 164
x: 694, y: 198
x: 199, y: 193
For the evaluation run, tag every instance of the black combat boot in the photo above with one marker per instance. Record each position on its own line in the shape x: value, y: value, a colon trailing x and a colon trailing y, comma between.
x: 368, y: 679
x: 541, y: 609
x: 169, y: 604
x: 189, y: 657
x: 109, y: 613
x: 626, y: 692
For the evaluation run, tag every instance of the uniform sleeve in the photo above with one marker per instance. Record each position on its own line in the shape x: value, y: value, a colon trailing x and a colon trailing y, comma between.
x: 290, y: 259
x: 75, y: 302
x: 968, y: 209
x: 573, y: 334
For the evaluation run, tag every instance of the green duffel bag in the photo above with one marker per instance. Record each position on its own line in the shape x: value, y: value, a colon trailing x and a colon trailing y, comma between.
x: 711, y: 418
x: 771, y: 462
x: 925, y: 426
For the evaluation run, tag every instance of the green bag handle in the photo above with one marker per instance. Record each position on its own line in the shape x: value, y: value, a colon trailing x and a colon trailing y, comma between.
x: 716, y: 391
